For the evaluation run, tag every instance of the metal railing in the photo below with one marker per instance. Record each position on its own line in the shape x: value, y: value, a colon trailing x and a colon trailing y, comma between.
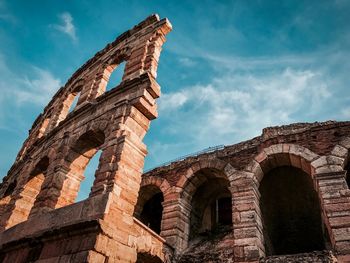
x: 206, y: 150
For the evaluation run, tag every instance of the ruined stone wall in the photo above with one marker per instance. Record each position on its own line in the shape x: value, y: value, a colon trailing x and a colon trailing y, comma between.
x: 318, y: 149
x: 40, y: 221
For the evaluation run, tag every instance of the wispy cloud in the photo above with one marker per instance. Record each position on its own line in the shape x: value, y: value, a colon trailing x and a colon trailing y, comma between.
x: 235, y: 107
x: 36, y: 87
x: 173, y: 101
x: 187, y: 62
x: 66, y: 26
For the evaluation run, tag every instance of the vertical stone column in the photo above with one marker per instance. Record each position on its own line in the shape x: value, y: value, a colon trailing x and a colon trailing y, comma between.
x: 175, y: 227
x: 50, y: 196
x: 247, y: 223
x: 119, y: 175
x: 335, y: 201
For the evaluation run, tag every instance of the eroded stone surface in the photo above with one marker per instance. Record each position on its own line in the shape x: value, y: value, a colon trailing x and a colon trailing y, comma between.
x: 210, y: 203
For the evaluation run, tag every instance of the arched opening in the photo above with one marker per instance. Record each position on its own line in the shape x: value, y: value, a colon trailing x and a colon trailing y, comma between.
x: 74, y: 102
x: 84, y: 149
x: 290, y: 212
x: 43, y: 127
x: 4, y: 201
x: 149, y: 208
x: 112, y: 76
x: 147, y: 258
x: 24, y: 203
x: 10, y: 188
x: 33, y: 185
x: 211, y: 208
x: 86, y: 184
x: 70, y: 103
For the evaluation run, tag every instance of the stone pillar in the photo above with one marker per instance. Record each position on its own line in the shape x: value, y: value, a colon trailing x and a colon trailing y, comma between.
x: 175, y: 222
x: 247, y: 223
x: 119, y: 174
x: 59, y: 189
x: 335, y: 202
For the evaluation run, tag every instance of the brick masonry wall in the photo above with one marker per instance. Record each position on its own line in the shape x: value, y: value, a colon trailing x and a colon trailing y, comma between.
x: 41, y: 222
x: 319, y: 149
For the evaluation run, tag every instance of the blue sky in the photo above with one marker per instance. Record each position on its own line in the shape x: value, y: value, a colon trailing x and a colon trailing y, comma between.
x: 228, y: 69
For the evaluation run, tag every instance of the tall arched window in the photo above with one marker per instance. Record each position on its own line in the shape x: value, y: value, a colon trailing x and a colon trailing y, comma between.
x: 111, y: 77
x: 211, y: 208
x: 149, y: 208
x: 70, y: 103
x: 43, y: 127
x: 5, y: 199
x: 89, y: 177
x: 83, y: 150
x: 34, y: 183
x: 114, y: 75
x: 27, y: 197
x: 10, y: 188
x: 291, y: 212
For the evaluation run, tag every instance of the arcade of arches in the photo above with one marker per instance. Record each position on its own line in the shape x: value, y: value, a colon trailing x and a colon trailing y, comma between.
x: 285, y: 192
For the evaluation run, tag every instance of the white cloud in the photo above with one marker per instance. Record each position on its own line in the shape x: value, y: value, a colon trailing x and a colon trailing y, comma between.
x: 67, y: 26
x: 237, y: 106
x: 174, y: 100
x: 37, y: 87
x: 187, y: 62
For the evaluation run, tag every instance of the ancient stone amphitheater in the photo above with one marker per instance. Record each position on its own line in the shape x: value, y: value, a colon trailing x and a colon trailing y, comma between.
x: 280, y: 197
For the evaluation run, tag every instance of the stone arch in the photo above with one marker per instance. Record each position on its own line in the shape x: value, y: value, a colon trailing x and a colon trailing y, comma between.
x: 26, y: 193
x: 149, y: 206
x: 160, y: 182
x: 65, y: 103
x: 201, y: 187
x: 106, y: 70
x: 10, y: 188
x: 282, y: 155
x: 216, y: 164
x: 279, y: 155
x: 340, y: 156
x: 188, y: 182
x: 79, y: 154
x: 6, y: 198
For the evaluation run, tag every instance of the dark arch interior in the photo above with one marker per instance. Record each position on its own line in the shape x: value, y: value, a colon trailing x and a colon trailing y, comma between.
x: 86, y: 146
x: 88, y: 141
x: 40, y: 167
x: 147, y: 258
x: 11, y: 187
x: 211, y: 211
x: 291, y: 212
x: 152, y: 211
